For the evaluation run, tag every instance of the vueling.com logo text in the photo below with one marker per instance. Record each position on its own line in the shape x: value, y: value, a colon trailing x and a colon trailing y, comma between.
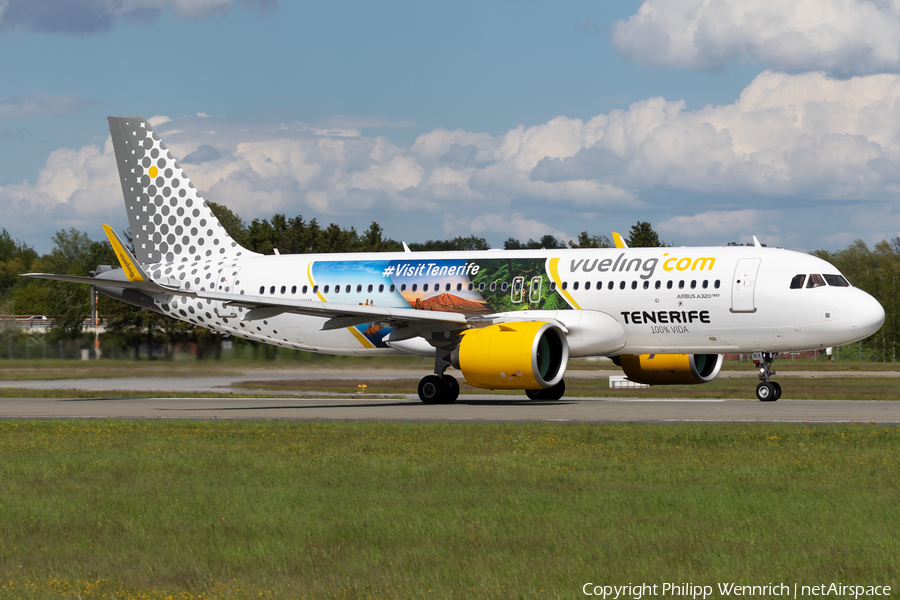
x: 645, y: 267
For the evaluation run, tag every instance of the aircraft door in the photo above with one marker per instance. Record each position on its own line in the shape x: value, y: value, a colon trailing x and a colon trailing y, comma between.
x: 518, y: 290
x: 535, y: 295
x: 225, y: 283
x: 743, y: 285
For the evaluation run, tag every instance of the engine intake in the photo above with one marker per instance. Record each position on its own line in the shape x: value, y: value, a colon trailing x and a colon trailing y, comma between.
x: 519, y: 355
x: 670, y: 369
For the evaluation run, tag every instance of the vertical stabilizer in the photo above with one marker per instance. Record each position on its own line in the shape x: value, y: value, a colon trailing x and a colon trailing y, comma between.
x: 170, y: 222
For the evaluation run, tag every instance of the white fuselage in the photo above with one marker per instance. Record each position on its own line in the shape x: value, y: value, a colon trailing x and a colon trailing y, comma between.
x: 710, y: 300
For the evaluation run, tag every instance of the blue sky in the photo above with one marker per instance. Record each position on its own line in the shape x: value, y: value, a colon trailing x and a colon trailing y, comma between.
x: 713, y: 120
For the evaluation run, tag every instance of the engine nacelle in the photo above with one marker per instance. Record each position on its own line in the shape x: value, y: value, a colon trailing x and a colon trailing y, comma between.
x: 519, y: 355
x: 670, y: 369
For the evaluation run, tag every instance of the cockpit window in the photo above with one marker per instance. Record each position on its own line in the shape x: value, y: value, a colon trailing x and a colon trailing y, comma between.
x: 815, y: 281
x: 797, y: 281
x: 837, y: 280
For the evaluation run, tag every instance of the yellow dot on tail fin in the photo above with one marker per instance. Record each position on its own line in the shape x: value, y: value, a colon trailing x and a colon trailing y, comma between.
x: 153, y: 172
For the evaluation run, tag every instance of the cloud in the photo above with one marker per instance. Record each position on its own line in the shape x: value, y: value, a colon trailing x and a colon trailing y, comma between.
x: 38, y: 105
x: 840, y: 37
x: 789, y: 145
x: 202, y: 154
x: 99, y: 16
x: 351, y: 122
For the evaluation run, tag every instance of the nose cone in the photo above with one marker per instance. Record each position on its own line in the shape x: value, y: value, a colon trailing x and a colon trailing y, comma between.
x: 867, y: 315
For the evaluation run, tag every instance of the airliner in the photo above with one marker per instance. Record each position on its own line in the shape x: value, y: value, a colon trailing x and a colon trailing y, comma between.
x: 505, y: 319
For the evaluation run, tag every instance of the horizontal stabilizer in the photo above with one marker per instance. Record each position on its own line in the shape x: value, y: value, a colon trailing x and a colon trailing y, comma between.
x: 133, y: 271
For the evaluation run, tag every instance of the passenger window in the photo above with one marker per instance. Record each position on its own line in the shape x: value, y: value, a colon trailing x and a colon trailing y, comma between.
x: 459, y: 287
x: 552, y: 286
x: 403, y: 288
x: 293, y: 289
x: 565, y: 284
x: 424, y: 288
x: 837, y: 280
x: 815, y: 281
x: 447, y: 287
x: 315, y: 289
x: 494, y: 286
x: 380, y: 288
x: 705, y: 283
x: 283, y: 289
x: 587, y: 285
x: 693, y: 284
x: 575, y: 286
x: 634, y: 285
x: 658, y: 284
x: 611, y: 285
x: 337, y: 289
x: 326, y: 289
x: 646, y: 285
x: 416, y: 286
x: 797, y: 281
x: 347, y: 289
x: 262, y: 289
x: 303, y: 291
x: 717, y: 284
x: 505, y: 286
x: 668, y: 285
x: 621, y: 285
x: 392, y: 288
x: 599, y: 285
x: 481, y: 287
x: 471, y: 286
x: 370, y: 288
x: 272, y: 290
x: 681, y: 284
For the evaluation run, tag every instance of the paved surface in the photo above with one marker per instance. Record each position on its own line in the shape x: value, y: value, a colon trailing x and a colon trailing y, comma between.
x: 222, y: 384
x: 467, y: 408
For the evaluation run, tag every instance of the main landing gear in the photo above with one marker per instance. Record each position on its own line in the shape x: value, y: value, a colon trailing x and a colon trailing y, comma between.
x: 554, y: 392
x: 439, y: 388
x: 766, y: 391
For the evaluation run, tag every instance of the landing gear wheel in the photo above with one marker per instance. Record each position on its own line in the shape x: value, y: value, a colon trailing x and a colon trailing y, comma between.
x: 534, y: 394
x: 777, y: 389
x: 432, y: 389
x: 551, y: 393
x: 452, y: 389
x: 765, y: 391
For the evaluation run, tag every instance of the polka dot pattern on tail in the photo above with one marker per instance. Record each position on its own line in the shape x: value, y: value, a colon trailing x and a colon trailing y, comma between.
x: 148, y: 173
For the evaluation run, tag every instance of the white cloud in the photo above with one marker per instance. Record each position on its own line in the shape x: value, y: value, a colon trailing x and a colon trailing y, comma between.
x: 844, y: 37
x: 788, y: 140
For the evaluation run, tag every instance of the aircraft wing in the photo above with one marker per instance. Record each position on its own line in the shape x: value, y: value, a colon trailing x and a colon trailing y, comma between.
x: 262, y: 307
x: 339, y: 315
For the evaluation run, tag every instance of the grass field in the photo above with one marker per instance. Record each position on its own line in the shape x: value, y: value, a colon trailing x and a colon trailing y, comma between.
x: 104, y: 509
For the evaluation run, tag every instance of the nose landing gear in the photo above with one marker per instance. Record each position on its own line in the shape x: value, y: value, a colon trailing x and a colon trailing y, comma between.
x: 766, y: 391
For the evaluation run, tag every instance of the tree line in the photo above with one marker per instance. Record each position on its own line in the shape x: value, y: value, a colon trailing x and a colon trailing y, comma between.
x: 874, y: 270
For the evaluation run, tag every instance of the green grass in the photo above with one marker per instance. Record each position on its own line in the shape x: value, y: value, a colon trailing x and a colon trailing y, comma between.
x: 103, y: 509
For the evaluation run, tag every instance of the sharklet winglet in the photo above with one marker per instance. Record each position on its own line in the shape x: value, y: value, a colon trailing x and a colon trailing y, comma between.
x: 617, y: 238
x: 132, y: 268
